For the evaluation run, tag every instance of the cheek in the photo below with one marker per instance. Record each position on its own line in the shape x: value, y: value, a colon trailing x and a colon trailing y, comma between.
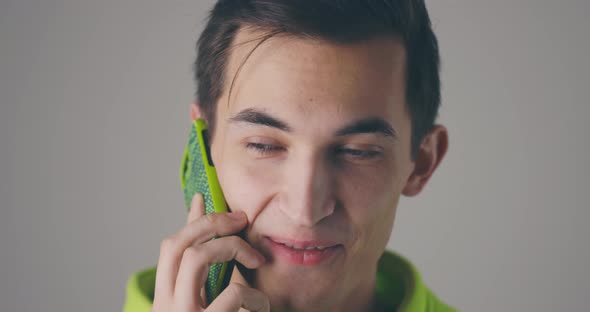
x: 246, y: 187
x: 372, y: 202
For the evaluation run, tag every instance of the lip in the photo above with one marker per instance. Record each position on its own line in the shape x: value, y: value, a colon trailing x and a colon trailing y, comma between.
x: 303, y: 252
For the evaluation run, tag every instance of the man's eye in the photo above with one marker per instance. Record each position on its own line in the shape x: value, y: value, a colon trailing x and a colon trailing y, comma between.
x: 359, y: 154
x: 263, y: 149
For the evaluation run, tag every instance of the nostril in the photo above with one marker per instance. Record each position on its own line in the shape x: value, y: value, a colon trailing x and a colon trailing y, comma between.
x: 305, y: 213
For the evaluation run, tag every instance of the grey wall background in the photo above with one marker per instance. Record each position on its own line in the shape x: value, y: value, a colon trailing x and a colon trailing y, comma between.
x: 94, y: 115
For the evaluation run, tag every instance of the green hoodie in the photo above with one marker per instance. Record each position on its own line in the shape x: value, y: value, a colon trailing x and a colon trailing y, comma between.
x: 399, y: 288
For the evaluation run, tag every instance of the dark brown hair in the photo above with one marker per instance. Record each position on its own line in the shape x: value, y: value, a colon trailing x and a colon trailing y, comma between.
x: 338, y: 21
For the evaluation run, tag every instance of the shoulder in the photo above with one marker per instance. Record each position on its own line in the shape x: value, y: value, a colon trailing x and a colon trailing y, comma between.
x: 140, y: 291
x: 399, y: 284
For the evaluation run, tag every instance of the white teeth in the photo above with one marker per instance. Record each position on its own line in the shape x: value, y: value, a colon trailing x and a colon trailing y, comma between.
x: 306, y: 248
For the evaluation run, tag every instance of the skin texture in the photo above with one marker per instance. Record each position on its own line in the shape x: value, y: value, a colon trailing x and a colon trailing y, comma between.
x: 313, y: 185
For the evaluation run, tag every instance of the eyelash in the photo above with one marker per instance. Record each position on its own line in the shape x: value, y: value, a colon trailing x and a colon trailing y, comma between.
x: 264, y: 149
x: 364, y: 154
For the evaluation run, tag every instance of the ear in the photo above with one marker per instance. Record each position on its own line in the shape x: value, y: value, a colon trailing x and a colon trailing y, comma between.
x: 195, y: 111
x: 431, y: 152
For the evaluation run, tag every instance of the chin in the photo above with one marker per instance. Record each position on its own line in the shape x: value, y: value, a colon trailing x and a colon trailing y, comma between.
x: 292, y: 288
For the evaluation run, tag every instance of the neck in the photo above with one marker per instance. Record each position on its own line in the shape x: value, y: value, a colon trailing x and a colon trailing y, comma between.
x: 361, y: 297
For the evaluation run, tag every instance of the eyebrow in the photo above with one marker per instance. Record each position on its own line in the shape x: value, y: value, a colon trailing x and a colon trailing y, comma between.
x: 256, y: 117
x: 374, y: 125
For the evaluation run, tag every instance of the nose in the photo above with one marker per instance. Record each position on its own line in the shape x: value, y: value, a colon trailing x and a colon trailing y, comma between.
x: 309, y: 192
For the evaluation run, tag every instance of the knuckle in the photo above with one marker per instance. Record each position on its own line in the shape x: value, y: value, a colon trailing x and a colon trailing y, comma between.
x: 167, y: 244
x: 195, y: 256
x: 235, y: 290
x: 191, y: 254
x: 211, y: 217
x: 236, y: 242
x: 215, y: 222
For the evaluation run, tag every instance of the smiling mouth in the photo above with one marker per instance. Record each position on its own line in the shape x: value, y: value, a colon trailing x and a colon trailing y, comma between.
x: 303, y: 245
x: 306, y: 248
x: 306, y: 253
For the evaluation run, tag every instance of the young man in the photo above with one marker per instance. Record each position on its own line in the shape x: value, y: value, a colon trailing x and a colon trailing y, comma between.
x: 321, y: 114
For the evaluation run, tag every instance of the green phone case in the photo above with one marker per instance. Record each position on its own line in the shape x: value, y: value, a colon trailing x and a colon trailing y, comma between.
x: 198, y: 175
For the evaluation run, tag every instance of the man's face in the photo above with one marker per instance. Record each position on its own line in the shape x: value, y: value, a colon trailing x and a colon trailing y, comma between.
x: 303, y: 147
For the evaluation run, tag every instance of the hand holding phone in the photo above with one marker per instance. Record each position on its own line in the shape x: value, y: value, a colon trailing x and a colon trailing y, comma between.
x: 198, y: 175
x: 208, y: 238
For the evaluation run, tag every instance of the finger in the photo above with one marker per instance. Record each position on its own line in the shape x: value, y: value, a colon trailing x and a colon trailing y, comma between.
x: 210, y: 226
x: 199, y: 231
x: 237, y: 296
x: 193, y: 271
x: 197, y: 208
x: 204, y: 296
x: 228, y: 248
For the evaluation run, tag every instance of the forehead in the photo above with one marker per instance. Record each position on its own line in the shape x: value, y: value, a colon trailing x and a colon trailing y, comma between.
x: 308, y: 79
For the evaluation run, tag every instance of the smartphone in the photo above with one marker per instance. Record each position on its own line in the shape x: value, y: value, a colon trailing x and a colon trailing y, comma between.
x: 198, y: 175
